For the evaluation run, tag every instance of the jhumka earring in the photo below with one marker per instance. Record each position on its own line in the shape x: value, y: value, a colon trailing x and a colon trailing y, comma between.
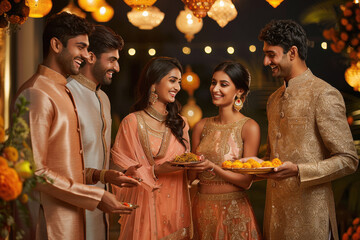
x: 153, y: 96
x: 238, y: 104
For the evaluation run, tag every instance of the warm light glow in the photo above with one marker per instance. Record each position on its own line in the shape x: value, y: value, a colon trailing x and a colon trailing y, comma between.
x: 73, y: 9
x: 189, y: 78
x: 352, y: 76
x: 199, y: 7
x: 192, y: 112
x: 152, y: 52
x: 191, y: 81
x: 186, y: 50
x: 90, y: 5
x: 188, y: 24
x: 230, y: 50
x: 356, y: 1
x: 131, y: 51
x: 104, y: 14
x: 274, y: 3
x: 223, y: 11
x: 139, y: 4
x: 146, y: 19
x: 324, y: 45
x: 39, y: 8
x: 208, y: 49
x: 252, y: 48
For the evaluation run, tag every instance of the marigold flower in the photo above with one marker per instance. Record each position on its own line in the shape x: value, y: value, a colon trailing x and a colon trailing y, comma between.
x: 2, y: 135
x: 246, y: 165
x: 3, y: 162
x: 226, y: 164
x: 356, y: 221
x: 349, y: 231
x: 237, y: 164
x: 276, y: 162
x: 255, y: 164
x: 345, y: 236
x: 5, y: 5
x: 10, y: 184
x: 266, y: 164
x: 358, y: 230
x: 11, y: 153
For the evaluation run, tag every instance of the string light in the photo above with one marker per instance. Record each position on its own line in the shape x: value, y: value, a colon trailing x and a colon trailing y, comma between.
x: 208, y: 49
x: 152, y: 51
x: 324, y: 45
x: 131, y: 51
x: 252, y: 48
x: 230, y: 50
x: 186, y: 50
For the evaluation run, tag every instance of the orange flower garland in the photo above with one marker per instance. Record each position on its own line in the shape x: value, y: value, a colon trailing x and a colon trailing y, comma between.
x: 353, y: 232
x: 10, y: 184
x: 11, y: 153
x: 14, y: 12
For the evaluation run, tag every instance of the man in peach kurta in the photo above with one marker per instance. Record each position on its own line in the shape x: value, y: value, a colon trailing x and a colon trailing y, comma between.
x: 308, y: 131
x: 55, y: 136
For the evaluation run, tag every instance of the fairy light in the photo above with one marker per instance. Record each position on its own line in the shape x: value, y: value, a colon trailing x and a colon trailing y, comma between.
x: 230, y: 50
x: 131, y: 51
x: 252, y: 48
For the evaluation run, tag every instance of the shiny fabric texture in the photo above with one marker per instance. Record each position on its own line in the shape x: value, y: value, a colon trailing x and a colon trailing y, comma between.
x: 94, y: 112
x: 223, y: 216
x: 307, y: 126
x: 56, y: 144
x: 164, y: 211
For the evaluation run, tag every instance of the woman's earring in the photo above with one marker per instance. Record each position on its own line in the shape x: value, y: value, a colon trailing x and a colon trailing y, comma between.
x: 153, y: 96
x: 238, y: 104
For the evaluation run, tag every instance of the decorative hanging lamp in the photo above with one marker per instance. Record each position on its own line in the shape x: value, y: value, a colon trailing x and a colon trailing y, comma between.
x: 222, y: 11
x: 90, y: 5
x: 147, y: 18
x: 274, y: 3
x: 199, y: 7
x: 190, y: 81
x: 352, y: 76
x: 188, y: 24
x: 39, y: 8
x: 139, y: 4
x: 104, y: 13
x: 192, y: 112
x: 73, y: 9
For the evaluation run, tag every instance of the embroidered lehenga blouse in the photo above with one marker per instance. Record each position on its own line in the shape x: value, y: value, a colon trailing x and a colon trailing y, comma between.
x: 164, y: 211
x: 228, y: 215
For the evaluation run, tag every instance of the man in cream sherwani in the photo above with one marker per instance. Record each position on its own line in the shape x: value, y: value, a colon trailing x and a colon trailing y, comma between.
x: 309, y: 132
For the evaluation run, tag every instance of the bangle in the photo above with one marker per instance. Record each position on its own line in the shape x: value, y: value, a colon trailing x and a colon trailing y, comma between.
x: 102, y: 176
x: 89, y: 176
x: 212, y: 169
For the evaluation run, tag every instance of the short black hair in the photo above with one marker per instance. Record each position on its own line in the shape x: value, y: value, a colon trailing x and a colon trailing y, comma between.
x: 64, y: 26
x: 102, y: 39
x: 285, y: 33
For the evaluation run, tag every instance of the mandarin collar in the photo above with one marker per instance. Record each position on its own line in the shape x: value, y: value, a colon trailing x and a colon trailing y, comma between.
x: 52, y: 74
x: 299, y: 79
x: 86, y: 82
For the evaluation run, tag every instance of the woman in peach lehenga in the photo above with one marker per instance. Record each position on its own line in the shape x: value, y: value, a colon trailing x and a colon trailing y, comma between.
x: 221, y: 209
x: 153, y: 135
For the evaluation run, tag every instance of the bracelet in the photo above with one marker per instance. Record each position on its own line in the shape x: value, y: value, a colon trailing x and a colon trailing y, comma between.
x: 102, y: 176
x: 212, y: 169
x: 89, y: 176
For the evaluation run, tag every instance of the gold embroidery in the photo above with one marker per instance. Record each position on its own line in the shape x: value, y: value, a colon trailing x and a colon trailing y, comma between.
x: 178, y: 235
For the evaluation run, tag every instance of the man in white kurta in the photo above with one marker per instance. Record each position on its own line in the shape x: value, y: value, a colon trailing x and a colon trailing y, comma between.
x: 93, y: 108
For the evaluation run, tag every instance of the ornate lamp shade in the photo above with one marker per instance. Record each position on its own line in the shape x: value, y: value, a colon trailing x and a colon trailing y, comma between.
x: 352, y: 76
x: 39, y: 8
x: 190, y: 81
x: 223, y: 11
x: 140, y: 4
x: 104, y: 13
x: 71, y: 8
x: 146, y: 19
x: 90, y: 5
x: 199, y: 7
x: 188, y: 24
x: 192, y: 112
x: 274, y: 3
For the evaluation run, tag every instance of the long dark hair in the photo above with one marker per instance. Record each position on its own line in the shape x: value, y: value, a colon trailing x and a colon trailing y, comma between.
x: 156, y: 69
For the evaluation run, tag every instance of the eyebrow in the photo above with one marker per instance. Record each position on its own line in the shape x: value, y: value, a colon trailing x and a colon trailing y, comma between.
x: 222, y: 81
x: 269, y: 51
x: 174, y: 77
x: 82, y: 44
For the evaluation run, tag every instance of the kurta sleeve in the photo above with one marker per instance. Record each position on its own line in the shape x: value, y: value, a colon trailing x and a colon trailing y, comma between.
x: 40, y: 118
x: 336, y: 136
x: 127, y: 151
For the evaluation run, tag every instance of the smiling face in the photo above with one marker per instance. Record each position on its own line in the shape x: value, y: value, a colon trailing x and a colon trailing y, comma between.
x: 169, y: 86
x: 105, y: 66
x: 278, y: 61
x: 222, y: 89
x: 71, y: 56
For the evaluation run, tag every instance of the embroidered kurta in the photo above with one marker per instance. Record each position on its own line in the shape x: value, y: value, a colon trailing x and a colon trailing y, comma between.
x: 222, y: 216
x: 57, y: 149
x: 164, y: 211
x: 307, y: 126
x: 94, y: 112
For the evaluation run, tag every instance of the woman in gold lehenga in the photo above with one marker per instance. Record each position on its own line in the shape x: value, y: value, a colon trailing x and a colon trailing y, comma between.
x: 221, y: 209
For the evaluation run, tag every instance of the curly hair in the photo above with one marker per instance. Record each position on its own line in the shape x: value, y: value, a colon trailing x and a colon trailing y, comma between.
x: 102, y: 39
x: 64, y: 26
x: 285, y: 33
x: 155, y: 70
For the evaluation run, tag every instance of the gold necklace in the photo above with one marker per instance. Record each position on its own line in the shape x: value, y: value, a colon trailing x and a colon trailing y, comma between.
x: 151, y: 111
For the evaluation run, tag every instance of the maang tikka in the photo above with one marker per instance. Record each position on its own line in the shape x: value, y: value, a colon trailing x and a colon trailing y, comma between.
x: 238, y: 104
x: 153, y: 96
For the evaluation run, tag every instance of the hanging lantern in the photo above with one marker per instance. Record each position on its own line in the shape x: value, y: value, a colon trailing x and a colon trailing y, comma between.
x: 199, y: 7
x: 90, y: 5
x: 223, y: 11
x: 192, y: 112
x: 104, y: 13
x: 39, y: 8
x: 146, y: 19
x: 71, y: 8
x: 139, y: 4
x: 188, y: 24
x: 352, y: 76
x: 274, y: 3
x: 190, y: 81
